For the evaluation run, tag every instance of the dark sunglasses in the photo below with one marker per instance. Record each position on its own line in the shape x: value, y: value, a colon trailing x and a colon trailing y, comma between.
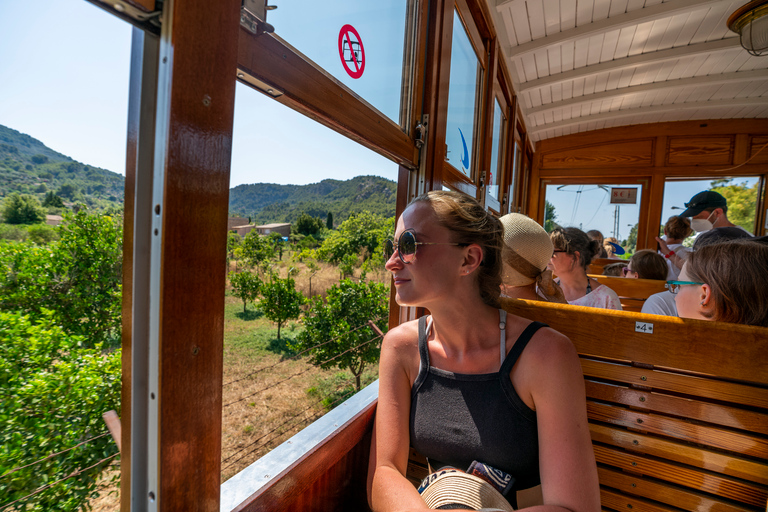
x: 406, y: 246
x: 626, y: 270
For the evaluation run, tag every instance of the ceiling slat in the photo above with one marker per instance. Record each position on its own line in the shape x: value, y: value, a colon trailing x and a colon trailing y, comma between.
x: 660, y: 56
x: 652, y: 110
x: 624, y: 20
x: 759, y: 75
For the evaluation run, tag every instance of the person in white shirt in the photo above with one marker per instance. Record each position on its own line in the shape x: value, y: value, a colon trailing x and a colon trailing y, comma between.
x: 676, y: 230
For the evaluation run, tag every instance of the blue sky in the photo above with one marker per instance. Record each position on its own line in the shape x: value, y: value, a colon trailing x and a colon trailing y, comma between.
x: 65, y: 65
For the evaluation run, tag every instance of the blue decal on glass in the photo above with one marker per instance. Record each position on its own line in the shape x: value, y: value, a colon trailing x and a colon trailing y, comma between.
x: 465, y: 158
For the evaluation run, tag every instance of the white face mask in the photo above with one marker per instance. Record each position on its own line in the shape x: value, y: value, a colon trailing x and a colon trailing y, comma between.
x: 702, y: 225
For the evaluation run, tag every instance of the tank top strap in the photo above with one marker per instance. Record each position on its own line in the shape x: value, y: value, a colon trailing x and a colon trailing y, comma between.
x: 519, y: 346
x: 423, y: 355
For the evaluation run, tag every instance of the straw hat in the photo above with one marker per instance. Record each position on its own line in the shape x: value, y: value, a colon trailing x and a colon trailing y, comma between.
x: 527, y: 249
x: 462, y: 489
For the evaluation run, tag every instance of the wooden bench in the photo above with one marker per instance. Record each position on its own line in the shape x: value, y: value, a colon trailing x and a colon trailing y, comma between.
x: 679, y: 415
x: 598, y: 264
x: 631, y: 292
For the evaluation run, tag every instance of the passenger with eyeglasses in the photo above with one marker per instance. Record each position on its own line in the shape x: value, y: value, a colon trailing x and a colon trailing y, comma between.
x: 665, y: 303
x: 726, y: 282
x: 646, y: 264
x: 573, y: 253
x: 464, y: 382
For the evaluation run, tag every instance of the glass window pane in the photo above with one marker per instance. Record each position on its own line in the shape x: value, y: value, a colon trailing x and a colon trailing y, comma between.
x: 497, y: 150
x: 589, y: 207
x: 740, y: 192
x: 361, y: 44
x: 466, y: 74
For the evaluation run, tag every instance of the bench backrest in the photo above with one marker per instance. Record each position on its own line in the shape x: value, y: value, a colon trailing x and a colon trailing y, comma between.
x: 631, y: 292
x: 678, y: 409
x: 597, y: 265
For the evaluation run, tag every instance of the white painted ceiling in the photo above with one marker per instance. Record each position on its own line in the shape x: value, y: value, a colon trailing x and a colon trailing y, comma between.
x: 580, y: 65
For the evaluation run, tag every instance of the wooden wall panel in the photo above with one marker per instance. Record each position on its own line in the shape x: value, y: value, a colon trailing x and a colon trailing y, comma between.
x: 627, y: 154
x: 758, y: 150
x: 700, y: 150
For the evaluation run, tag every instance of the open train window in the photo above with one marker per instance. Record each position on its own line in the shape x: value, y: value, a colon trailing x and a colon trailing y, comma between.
x: 612, y: 209
x: 742, y: 194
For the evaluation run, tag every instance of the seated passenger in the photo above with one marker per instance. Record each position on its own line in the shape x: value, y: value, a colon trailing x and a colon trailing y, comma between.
x: 615, y: 269
x: 594, y: 234
x: 646, y: 264
x: 676, y: 230
x: 526, y: 252
x: 464, y: 383
x: 612, y: 248
x: 573, y: 252
x: 708, y: 237
x: 726, y: 282
x: 663, y: 303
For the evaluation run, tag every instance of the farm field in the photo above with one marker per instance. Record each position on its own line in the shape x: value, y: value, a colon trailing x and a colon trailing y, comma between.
x: 269, y: 393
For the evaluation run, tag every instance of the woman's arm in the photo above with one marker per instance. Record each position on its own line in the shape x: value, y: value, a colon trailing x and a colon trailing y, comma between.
x: 388, y: 489
x: 566, y: 458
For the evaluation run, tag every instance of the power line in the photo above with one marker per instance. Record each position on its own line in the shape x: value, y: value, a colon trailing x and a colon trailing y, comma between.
x: 53, y: 455
x: 299, y: 373
x: 297, y: 355
x: 76, y: 473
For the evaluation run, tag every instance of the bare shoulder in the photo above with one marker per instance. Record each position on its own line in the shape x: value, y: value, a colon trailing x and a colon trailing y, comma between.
x: 401, y: 344
x: 549, y: 349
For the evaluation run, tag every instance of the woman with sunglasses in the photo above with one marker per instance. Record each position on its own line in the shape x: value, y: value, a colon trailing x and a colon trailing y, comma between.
x: 573, y: 253
x: 464, y: 383
x: 725, y: 282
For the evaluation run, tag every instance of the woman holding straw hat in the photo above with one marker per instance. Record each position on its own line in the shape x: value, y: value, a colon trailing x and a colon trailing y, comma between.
x: 469, y: 383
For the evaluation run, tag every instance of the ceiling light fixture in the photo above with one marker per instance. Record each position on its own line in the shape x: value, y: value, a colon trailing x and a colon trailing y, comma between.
x: 750, y: 21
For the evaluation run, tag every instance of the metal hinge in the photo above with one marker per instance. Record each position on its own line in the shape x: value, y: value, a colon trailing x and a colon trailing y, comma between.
x: 253, y: 16
x: 421, y: 131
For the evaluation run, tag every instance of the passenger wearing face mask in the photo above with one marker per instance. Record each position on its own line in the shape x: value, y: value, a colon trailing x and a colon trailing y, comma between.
x: 707, y: 210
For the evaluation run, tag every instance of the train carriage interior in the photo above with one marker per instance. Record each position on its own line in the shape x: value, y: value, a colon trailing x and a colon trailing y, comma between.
x: 518, y: 103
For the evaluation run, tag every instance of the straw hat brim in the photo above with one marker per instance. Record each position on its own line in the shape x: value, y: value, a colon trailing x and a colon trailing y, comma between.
x: 469, y: 491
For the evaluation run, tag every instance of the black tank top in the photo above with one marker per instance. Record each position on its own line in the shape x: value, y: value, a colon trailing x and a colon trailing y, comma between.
x: 458, y: 418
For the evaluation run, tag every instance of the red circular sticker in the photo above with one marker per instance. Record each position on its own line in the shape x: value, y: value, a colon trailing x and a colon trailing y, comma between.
x: 351, y: 51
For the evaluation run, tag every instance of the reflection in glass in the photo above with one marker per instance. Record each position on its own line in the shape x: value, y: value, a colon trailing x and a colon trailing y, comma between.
x: 497, y: 149
x: 361, y: 44
x: 466, y: 74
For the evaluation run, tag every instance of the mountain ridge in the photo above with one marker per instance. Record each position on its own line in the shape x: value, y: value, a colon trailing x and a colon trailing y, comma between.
x: 28, y: 166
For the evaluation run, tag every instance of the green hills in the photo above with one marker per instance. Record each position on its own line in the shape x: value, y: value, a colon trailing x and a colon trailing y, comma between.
x: 27, y: 166
x: 268, y: 202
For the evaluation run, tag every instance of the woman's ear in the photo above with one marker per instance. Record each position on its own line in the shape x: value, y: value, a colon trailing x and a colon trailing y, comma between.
x: 706, y: 297
x: 576, y: 259
x: 473, y: 257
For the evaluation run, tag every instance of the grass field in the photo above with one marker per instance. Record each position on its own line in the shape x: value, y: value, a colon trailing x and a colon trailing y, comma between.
x: 269, y: 393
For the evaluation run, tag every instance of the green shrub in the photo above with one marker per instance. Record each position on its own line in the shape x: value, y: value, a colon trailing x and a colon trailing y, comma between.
x: 54, y: 391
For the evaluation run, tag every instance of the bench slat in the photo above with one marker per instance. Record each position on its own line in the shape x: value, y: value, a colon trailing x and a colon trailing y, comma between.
x: 679, y: 383
x: 685, y: 499
x: 732, y: 417
x: 681, y: 475
x: 624, y: 503
x: 695, y: 346
x: 678, y: 429
x: 709, y: 460
x: 633, y: 288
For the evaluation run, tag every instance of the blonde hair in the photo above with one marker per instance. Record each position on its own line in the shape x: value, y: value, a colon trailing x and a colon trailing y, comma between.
x: 470, y: 223
x: 737, y: 273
